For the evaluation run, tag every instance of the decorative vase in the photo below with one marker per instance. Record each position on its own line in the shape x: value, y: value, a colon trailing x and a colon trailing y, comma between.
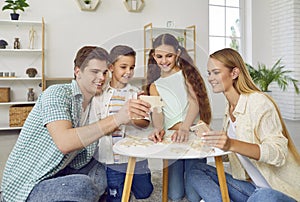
x: 31, y: 72
x: 30, y: 94
x: 87, y: 6
x: 134, y: 5
x: 3, y: 44
x: 14, y: 16
x: 17, y: 44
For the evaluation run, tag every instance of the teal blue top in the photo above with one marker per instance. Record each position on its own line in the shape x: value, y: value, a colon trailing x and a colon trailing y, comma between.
x: 173, y: 91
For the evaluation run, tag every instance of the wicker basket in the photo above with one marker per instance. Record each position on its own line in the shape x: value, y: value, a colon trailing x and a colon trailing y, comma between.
x: 18, y: 114
x: 4, y: 94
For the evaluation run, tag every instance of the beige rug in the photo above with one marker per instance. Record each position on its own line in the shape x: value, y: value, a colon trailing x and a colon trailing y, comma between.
x: 156, y: 195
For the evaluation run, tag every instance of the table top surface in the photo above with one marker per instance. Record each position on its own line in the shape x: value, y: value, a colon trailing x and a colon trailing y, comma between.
x: 137, y: 144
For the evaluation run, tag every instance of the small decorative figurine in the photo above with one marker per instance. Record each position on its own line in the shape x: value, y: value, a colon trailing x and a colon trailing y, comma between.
x: 31, y: 72
x: 30, y: 94
x: 32, y: 34
x: 17, y: 44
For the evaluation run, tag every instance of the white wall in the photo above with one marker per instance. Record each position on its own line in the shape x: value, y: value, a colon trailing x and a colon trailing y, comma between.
x: 261, y: 33
x: 275, y: 32
x: 68, y: 28
x: 285, y: 29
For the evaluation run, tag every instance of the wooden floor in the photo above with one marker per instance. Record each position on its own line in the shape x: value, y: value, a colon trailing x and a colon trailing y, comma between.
x: 8, y: 139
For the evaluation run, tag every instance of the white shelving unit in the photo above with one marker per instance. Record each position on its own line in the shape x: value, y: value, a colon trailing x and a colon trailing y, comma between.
x: 31, y: 54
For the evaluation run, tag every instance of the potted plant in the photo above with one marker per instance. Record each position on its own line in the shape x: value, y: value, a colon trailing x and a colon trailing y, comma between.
x: 180, y: 40
x: 264, y: 76
x: 15, y: 5
x: 87, y: 3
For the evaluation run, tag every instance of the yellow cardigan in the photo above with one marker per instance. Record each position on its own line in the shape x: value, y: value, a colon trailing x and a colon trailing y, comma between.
x: 257, y: 122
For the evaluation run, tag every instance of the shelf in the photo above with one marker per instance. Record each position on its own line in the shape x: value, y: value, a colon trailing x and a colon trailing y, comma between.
x: 91, y: 6
x: 21, y: 50
x: 20, y: 78
x: 20, y: 22
x: 15, y: 62
x: 58, y: 79
x: 134, y: 5
x: 70, y: 78
x: 17, y: 103
x: 169, y: 28
x: 7, y: 127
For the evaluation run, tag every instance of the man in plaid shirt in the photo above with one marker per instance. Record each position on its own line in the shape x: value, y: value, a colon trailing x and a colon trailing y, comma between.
x: 53, y: 156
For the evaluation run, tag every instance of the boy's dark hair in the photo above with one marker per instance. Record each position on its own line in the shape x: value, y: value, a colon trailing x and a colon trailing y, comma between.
x: 120, y: 50
x: 87, y: 53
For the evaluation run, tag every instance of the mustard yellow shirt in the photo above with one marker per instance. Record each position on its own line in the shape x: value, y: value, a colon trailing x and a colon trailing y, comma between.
x: 257, y: 122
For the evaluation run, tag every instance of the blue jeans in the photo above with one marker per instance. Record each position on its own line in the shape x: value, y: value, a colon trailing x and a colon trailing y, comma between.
x: 205, y: 182
x: 85, y: 185
x: 141, y: 183
x: 178, y: 186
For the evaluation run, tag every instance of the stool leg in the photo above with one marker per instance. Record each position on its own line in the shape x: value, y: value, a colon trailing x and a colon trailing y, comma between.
x: 165, y: 181
x: 128, y: 179
x: 222, y: 178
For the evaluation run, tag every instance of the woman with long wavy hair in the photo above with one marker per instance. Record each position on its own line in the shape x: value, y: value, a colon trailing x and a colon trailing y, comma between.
x: 265, y: 164
x: 183, y: 91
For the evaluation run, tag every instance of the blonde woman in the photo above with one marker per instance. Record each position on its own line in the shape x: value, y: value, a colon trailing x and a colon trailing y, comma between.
x: 264, y: 161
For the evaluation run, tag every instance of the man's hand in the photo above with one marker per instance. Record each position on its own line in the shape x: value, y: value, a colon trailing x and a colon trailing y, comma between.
x: 133, y: 109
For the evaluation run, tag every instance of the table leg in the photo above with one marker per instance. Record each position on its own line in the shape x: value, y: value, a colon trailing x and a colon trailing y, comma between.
x: 165, y: 181
x: 128, y: 179
x: 222, y: 178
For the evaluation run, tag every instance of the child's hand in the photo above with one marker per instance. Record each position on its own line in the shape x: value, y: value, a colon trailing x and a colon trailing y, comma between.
x: 157, y: 135
x: 180, y: 135
x: 200, y: 128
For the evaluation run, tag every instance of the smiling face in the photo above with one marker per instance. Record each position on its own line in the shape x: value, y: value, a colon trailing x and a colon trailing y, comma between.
x: 122, y: 71
x: 92, y: 78
x: 165, y: 57
x: 220, y: 77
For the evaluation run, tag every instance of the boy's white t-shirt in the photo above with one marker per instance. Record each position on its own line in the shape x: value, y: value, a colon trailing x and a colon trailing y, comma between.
x: 117, y: 100
x: 108, y: 103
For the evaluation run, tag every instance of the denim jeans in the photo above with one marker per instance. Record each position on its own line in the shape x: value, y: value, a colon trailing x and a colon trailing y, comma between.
x: 141, y: 183
x: 85, y: 185
x: 178, y: 186
x: 205, y: 182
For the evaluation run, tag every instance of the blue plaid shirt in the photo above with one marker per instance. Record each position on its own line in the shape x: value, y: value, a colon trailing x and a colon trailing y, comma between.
x: 35, y: 156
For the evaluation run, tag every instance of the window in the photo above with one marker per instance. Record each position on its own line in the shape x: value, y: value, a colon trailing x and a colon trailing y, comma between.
x: 224, y: 24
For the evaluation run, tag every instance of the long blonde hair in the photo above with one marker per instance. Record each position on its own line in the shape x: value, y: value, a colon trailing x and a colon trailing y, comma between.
x: 245, y: 85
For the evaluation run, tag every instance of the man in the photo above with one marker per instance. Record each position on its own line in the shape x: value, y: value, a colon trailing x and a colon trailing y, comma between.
x: 52, y: 159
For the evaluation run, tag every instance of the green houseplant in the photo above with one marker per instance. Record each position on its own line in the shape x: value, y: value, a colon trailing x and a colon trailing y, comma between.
x: 263, y: 76
x: 180, y: 40
x: 15, y: 5
x: 87, y: 1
